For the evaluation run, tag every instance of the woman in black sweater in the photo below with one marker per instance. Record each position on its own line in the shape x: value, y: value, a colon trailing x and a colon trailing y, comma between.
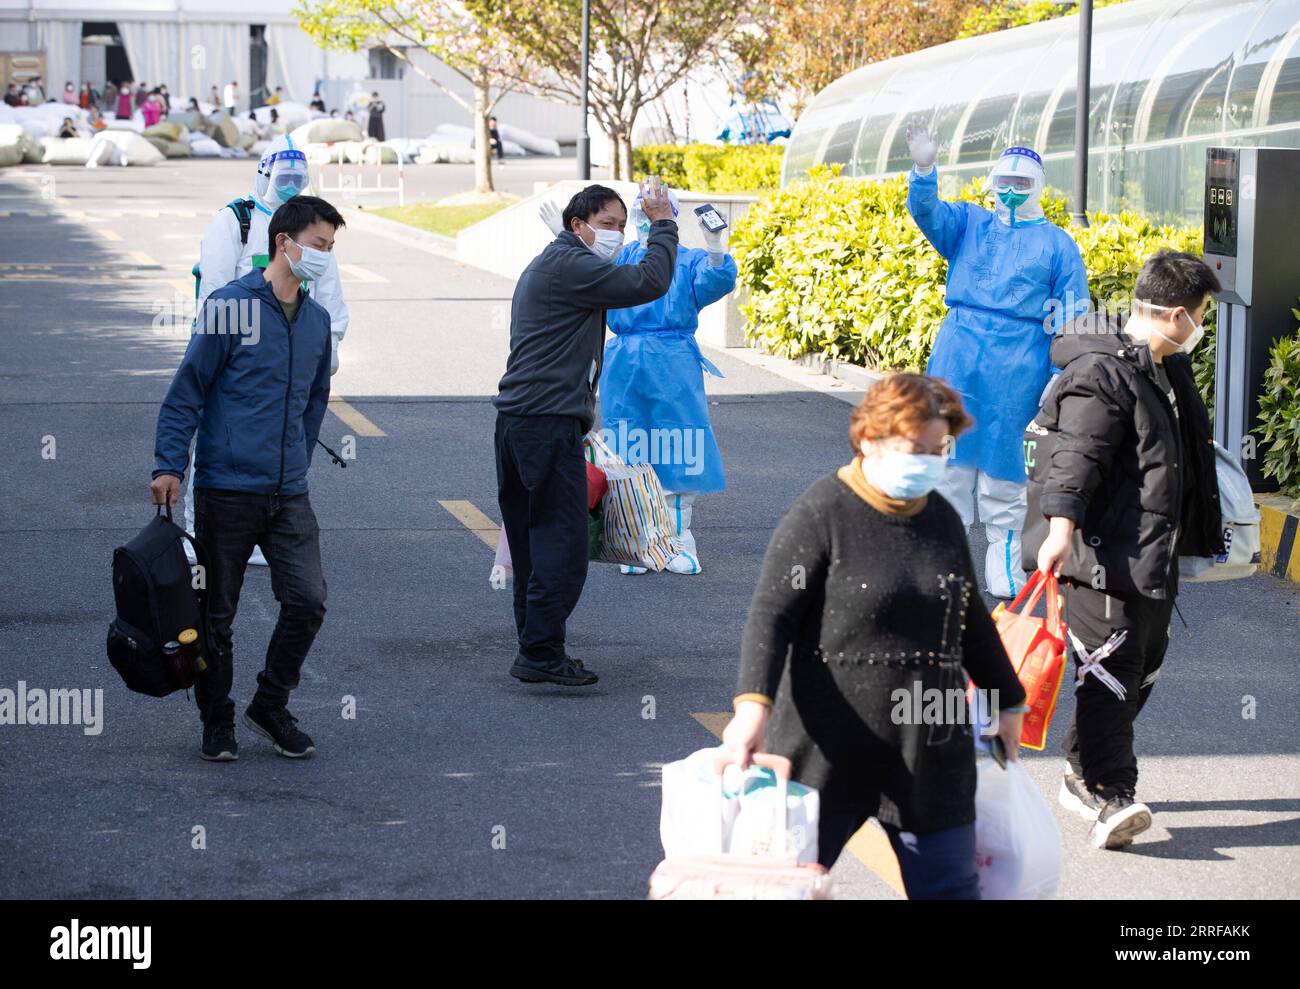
x: 868, y: 610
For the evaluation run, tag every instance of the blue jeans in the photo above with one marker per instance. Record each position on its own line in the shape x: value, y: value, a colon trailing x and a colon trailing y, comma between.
x: 935, y: 866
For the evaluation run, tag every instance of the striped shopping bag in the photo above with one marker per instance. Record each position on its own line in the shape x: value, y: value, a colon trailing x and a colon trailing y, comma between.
x: 634, y: 526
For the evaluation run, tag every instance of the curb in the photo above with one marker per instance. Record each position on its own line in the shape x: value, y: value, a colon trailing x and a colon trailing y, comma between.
x: 1279, y: 536
x: 405, y: 233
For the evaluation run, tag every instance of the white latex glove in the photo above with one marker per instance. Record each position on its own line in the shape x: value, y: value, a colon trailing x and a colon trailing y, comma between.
x: 714, y: 243
x: 922, y: 146
x: 552, y: 216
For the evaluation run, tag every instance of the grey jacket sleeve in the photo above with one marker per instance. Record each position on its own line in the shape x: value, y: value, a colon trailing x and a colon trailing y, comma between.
x: 601, y: 285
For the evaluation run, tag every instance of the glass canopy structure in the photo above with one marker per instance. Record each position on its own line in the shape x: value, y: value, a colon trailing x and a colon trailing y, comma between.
x: 1170, y: 78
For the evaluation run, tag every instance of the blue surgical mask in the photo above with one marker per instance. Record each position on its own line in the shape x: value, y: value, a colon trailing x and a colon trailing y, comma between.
x: 902, y: 475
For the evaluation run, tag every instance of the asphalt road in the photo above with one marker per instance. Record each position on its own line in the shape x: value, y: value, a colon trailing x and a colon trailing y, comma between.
x: 448, y: 758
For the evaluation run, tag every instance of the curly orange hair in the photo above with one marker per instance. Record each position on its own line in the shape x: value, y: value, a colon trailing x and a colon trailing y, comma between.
x: 902, y: 404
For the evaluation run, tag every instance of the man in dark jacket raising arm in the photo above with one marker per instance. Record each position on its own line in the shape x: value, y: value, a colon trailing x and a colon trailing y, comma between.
x: 546, y: 403
x: 1121, y: 483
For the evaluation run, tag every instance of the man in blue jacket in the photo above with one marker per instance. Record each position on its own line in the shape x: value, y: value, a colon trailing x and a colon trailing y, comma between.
x: 254, y: 382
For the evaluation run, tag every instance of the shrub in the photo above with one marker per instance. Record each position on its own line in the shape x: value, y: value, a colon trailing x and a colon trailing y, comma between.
x: 1279, y: 414
x: 838, y: 267
x: 711, y: 168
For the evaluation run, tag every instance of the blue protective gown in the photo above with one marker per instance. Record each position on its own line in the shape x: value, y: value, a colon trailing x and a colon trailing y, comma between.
x: 653, y: 377
x: 1009, y: 290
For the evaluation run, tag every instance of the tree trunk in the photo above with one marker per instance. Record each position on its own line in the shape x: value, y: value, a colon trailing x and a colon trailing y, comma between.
x: 482, y: 138
x: 622, y: 154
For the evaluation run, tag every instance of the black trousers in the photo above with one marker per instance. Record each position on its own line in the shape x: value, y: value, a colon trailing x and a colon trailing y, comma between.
x: 1099, y: 741
x: 229, y: 524
x: 542, y: 492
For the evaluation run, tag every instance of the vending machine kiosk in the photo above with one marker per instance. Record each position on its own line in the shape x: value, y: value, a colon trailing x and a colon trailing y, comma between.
x: 1252, y: 241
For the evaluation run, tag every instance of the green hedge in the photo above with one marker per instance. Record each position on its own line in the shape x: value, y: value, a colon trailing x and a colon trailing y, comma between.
x: 838, y: 267
x: 1279, y: 414
x: 710, y: 167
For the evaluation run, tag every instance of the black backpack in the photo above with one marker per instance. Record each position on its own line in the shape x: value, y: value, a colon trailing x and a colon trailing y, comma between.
x: 156, y: 604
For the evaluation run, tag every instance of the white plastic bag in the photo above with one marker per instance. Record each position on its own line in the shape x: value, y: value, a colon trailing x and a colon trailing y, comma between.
x: 1240, y: 557
x: 1017, y: 842
x: 734, y: 813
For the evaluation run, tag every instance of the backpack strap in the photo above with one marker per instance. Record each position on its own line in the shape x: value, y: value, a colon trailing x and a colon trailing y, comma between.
x: 243, y: 210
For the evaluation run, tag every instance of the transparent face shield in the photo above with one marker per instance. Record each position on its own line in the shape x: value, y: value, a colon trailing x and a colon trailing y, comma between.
x: 1016, y: 183
x: 288, y: 176
x: 641, y: 223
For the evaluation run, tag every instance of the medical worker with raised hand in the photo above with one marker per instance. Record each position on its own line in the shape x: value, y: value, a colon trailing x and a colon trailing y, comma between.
x: 652, y: 388
x: 1014, y: 280
x: 229, y: 251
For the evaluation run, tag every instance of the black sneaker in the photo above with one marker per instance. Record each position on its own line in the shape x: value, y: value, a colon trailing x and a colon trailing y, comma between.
x: 281, y: 727
x: 1075, y: 797
x: 219, y: 743
x: 568, y: 672
x: 1121, y: 819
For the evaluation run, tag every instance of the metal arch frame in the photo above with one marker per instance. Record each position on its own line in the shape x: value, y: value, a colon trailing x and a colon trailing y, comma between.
x: 1234, y: 62
x: 1146, y: 106
x: 1122, y: 77
x: 891, y: 132
x: 1268, y: 80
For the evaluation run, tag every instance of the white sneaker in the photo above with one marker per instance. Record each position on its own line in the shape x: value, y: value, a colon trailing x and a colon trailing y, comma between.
x: 684, y: 563
x: 256, y: 559
x: 631, y: 571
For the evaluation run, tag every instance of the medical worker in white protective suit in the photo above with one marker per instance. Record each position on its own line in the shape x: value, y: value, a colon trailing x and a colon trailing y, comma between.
x: 226, y: 254
x: 1014, y: 280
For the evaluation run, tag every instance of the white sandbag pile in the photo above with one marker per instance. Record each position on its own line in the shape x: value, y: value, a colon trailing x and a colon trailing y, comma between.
x: 369, y: 152
x: 134, y: 148
x: 465, y: 136
x: 527, y: 140
x: 202, y: 146
x: 103, y: 152
x: 327, y: 130
x: 12, y: 138
x: 43, y: 120
x: 292, y: 115
x: 66, y: 150
x: 133, y: 123
x: 442, y: 152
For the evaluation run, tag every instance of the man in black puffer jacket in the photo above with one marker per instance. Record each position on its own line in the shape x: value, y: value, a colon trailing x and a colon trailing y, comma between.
x: 1121, y: 483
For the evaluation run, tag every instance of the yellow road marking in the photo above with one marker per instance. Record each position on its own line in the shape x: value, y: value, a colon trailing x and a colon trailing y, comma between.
x: 870, y: 844
x: 360, y: 273
x: 475, y: 521
x: 140, y: 257
x: 354, y: 420
x: 110, y: 234
x: 182, y: 285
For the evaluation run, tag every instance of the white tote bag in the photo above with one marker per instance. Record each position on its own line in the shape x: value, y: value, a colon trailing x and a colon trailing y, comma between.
x: 711, y: 808
x: 1017, y: 842
x: 1240, y: 557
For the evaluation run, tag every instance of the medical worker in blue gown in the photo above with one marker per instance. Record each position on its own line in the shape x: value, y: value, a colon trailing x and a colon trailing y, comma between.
x: 653, y: 379
x: 1014, y: 280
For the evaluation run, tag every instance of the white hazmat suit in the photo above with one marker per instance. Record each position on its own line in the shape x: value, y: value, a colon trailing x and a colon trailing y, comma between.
x: 222, y: 259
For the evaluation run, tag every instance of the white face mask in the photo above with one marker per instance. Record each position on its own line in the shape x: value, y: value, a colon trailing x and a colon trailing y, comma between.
x: 607, y: 244
x: 312, y: 265
x: 901, y: 475
x: 1188, y: 345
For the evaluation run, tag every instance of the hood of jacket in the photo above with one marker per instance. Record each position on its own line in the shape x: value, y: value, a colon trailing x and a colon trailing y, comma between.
x: 1099, y: 333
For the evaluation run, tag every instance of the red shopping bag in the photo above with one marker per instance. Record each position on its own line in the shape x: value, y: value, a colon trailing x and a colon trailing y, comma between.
x: 1036, y: 648
x: 597, y: 485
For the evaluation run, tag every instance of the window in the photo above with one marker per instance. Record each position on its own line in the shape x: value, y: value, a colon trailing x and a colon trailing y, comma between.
x: 385, y: 65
